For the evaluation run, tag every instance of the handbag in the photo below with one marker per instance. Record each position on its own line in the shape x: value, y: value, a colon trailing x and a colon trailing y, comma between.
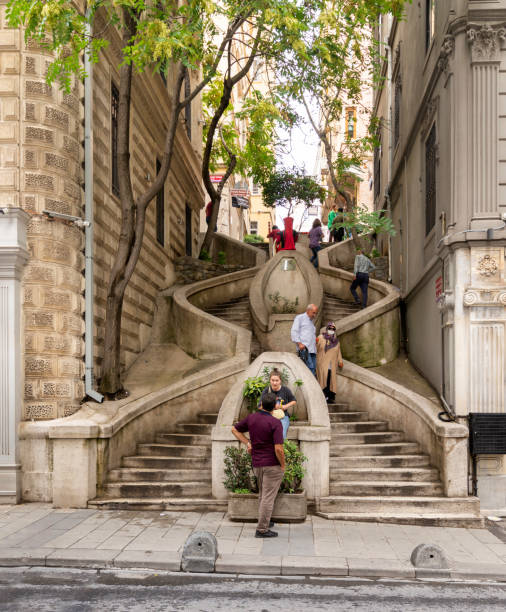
x: 303, y: 354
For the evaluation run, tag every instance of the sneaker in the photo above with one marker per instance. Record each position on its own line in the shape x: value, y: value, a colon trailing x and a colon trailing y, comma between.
x: 266, y: 534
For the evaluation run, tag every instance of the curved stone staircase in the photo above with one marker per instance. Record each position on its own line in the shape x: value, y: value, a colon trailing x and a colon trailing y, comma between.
x: 378, y: 476
x: 237, y: 311
x: 375, y: 473
x: 171, y: 473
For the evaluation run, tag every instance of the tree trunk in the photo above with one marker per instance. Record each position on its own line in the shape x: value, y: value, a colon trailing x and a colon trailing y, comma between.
x: 229, y: 83
x: 110, y: 381
x: 133, y: 210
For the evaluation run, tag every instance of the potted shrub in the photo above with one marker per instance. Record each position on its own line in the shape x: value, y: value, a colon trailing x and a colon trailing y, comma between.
x: 290, y: 505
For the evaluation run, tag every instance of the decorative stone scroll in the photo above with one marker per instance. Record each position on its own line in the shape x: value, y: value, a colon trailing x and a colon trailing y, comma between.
x: 484, y: 297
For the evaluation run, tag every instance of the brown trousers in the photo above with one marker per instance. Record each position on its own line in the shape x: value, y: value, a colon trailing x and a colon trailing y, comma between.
x: 268, y: 478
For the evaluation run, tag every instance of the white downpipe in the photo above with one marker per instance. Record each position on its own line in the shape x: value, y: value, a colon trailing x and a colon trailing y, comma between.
x: 88, y: 214
x: 390, y: 155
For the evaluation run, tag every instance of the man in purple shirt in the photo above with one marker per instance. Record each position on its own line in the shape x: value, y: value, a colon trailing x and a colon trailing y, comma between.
x: 267, y: 456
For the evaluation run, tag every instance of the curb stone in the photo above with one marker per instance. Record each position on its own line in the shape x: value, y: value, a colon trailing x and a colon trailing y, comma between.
x: 228, y: 565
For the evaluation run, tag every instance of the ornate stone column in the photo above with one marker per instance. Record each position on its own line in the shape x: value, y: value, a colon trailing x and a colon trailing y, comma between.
x: 485, y: 58
x: 13, y: 257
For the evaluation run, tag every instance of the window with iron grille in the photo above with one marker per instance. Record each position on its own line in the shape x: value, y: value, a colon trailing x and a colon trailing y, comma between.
x: 114, y: 139
x: 430, y: 16
x: 160, y: 210
x: 430, y: 180
x: 397, y: 107
x: 253, y: 228
x: 377, y: 170
x: 188, y: 107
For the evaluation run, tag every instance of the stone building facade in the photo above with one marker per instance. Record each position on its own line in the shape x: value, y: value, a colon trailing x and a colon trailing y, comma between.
x: 42, y: 169
x: 441, y: 171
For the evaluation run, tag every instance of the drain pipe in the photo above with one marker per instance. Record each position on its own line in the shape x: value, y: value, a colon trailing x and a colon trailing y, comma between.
x: 390, y: 156
x: 88, y: 215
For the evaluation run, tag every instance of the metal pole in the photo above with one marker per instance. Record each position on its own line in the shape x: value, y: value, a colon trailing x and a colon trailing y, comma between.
x: 88, y: 214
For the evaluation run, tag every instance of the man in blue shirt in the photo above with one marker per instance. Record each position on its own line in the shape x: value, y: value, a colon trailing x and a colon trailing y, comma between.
x: 303, y: 333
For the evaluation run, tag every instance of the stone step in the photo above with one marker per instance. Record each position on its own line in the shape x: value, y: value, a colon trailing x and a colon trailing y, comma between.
x: 135, y: 474
x: 386, y: 488
x: 359, y: 427
x: 355, y: 474
x: 184, y: 439
x: 208, y: 417
x: 404, y: 518
x: 363, y: 438
x: 366, y: 450
x: 405, y: 505
x: 194, y: 428
x: 338, y: 407
x: 173, y: 450
x: 157, y: 489
x: 379, y: 462
x: 343, y: 417
x: 174, y: 504
x: 163, y: 462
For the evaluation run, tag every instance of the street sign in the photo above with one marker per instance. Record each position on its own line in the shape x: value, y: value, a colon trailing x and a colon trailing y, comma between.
x: 215, y: 178
x: 240, y: 192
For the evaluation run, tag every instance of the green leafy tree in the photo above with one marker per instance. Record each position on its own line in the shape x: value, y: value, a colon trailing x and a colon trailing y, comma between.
x: 278, y: 25
x: 365, y: 221
x: 288, y: 188
x: 154, y: 36
x: 328, y: 70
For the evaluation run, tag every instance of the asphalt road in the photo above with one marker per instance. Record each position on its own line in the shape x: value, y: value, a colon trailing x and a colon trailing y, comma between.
x: 58, y: 590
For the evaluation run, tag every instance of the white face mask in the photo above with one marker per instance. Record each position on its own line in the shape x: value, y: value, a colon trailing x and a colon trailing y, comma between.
x: 330, y: 332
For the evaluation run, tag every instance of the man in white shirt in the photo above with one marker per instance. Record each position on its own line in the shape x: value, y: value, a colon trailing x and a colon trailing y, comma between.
x: 303, y: 333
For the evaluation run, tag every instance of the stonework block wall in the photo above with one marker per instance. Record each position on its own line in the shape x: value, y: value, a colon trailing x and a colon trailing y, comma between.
x: 41, y: 157
x: 40, y: 170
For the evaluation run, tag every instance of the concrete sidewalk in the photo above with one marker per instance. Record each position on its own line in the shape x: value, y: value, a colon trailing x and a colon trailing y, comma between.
x: 38, y: 535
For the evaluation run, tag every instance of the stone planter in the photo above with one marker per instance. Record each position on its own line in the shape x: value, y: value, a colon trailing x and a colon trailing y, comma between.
x: 288, y: 507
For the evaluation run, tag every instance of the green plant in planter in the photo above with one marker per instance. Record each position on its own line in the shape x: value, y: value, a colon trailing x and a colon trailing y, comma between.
x: 294, y: 470
x: 252, y: 390
x: 204, y: 255
x: 239, y: 476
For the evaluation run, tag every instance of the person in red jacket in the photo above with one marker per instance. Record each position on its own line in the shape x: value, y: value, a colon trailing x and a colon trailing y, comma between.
x: 275, y: 234
x: 209, y: 212
x: 288, y: 236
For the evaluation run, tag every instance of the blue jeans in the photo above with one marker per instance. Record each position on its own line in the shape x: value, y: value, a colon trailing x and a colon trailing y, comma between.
x: 285, y: 423
x: 362, y: 281
x: 314, y: 259
x: 311, y: 362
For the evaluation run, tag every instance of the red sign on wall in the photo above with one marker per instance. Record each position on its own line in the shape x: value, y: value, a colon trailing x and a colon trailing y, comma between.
x: 215, y: 178
x: 439, y: 288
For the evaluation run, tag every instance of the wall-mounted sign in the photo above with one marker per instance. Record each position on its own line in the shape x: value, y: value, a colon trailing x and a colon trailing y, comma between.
x: 215, y: 178
x: 240, y: 202
x: 244, y: 193
x: 439, y: 288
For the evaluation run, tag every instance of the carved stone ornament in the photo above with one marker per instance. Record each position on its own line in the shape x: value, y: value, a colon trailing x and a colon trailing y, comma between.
x: 484, y: 42
x: 487, y: 266
x: 446, y: 50
x: 481, y: 297
x: 430, y: 112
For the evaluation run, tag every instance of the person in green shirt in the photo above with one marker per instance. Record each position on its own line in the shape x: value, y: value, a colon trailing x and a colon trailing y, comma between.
x: 331, y: 217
